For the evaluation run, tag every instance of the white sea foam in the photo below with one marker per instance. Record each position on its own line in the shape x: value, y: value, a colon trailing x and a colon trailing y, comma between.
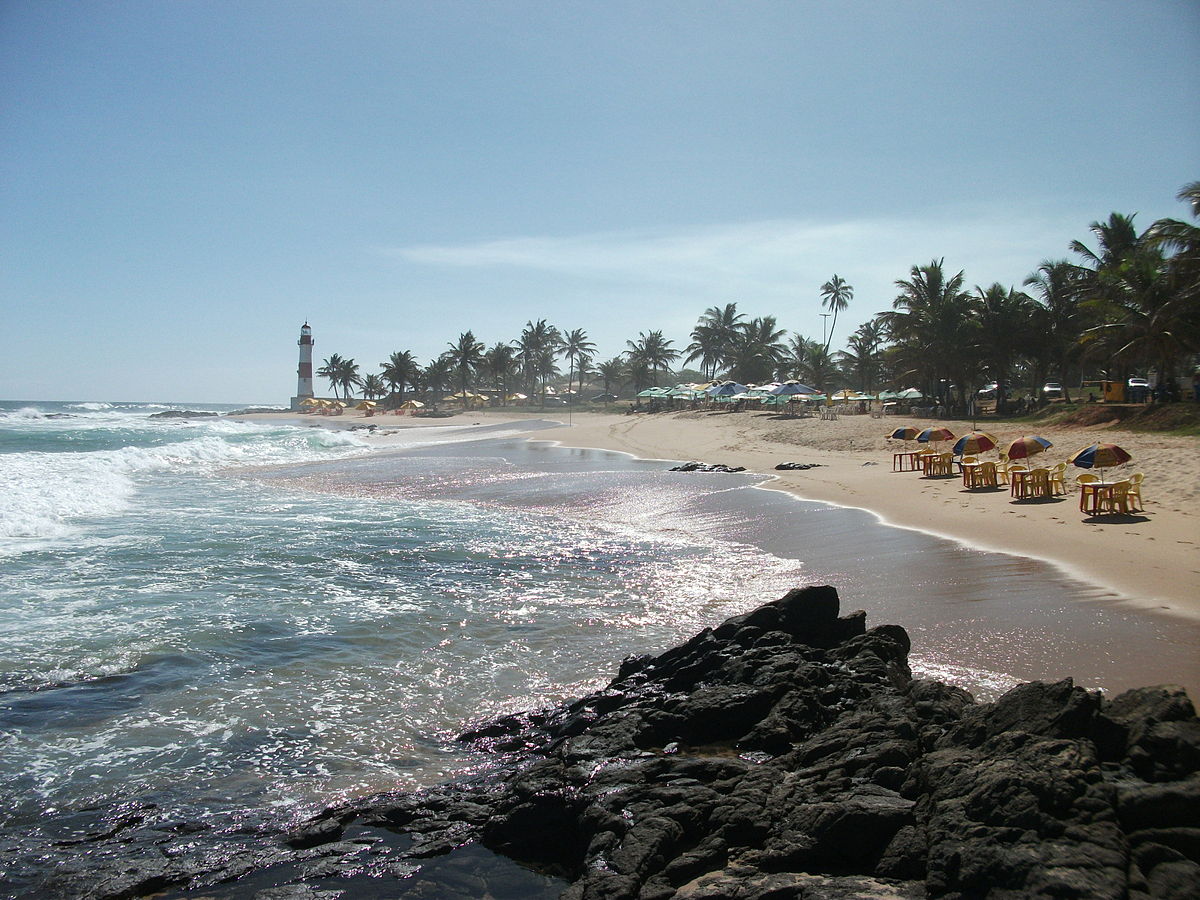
x: 44, y: 495
x: 90, y: 406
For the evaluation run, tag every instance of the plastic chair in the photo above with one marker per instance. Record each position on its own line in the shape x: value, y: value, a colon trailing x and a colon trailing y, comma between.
x: 1135, y: 490
x: 1084, y: 483
x: 1037, y: 483
x: 1057, y: 479
x: 1011, y: 470
x: 987, y: 474
x: 1117, y: 500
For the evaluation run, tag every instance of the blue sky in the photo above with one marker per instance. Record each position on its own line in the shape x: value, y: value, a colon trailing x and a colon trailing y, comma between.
x: 184, y: 183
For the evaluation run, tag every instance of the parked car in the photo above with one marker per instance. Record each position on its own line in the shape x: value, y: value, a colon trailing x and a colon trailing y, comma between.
x: 988, y: 391
x: 1052, y: 390
x: 555, y: 401
x: 1138, y: 389
x: 604, y: 398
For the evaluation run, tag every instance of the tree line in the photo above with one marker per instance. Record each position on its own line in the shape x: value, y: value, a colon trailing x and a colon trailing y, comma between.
x: 1129, y: 303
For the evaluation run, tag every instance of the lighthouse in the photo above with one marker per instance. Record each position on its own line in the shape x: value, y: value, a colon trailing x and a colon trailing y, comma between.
x: 304, y: 382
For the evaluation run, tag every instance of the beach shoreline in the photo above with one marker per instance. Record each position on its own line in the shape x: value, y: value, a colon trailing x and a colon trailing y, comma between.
x: 1151, y: 559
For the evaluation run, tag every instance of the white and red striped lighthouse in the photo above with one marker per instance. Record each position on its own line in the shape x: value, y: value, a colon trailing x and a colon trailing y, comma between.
x: 304, y: 380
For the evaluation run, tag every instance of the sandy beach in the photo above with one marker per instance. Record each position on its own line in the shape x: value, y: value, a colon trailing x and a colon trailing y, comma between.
x: 1152, y: 558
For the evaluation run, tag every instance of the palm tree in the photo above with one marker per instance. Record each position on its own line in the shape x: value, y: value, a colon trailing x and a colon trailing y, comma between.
x: 653, y: 351
x: 536, y: 350
x: 1005, y: 316
x: 332, y: 370
x: 933, y: 328
x: 836, y: 296
x: 758, y: 351
x: 613, y: 372
x: 373, y: 386
x: 348, y: 377
x: 577, y: 348
x: 861, y: 362
x: 1061, y: 323
x: 465, y: 355
x: 500, y: 362
x: 436, y: 376
x: 713, y: 338
x: 1182, y: 239
x: 1145, y: 300
x: 400, y: 371
x: 811, y: 363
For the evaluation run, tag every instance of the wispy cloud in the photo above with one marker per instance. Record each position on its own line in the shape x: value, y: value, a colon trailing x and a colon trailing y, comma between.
x: 772, y: 257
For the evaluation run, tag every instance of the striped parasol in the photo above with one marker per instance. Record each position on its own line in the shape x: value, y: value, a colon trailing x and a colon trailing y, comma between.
x: 1025, y: 447
x: 935, y: 435
x: 907, y: 433
x: 1100, y: 456
x: 975, y: 442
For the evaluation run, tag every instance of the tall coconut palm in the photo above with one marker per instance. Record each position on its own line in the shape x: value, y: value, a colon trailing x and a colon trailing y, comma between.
x: 348, y: 377
x: 1005, y: 316
x: 373, y: 386
x: 861, y: 361
x: 576, y: 348
x: 714, y: 337
x: 536, y: 351
x: 1056, y: 288
x: 653, y: 351
x: 835, y: 297
x: 500, y: 362
x: 331, y: 369
x: 932, y: 325
x: 811, y: 363
x: 401, y: 371
x: 759, y: 352
x: 436, y: 376
x: 465, y: 356
x: 1182, y: 241
x: 613, y: 372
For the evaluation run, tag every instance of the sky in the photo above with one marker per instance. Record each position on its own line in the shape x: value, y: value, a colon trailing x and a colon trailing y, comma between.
x: 184, y: 184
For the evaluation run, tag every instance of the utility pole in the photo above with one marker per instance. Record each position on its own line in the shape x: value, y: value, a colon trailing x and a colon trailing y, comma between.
x: 824, y: 322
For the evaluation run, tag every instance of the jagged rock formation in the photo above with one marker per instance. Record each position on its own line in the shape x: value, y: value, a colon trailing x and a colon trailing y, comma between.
x: 787, y: 753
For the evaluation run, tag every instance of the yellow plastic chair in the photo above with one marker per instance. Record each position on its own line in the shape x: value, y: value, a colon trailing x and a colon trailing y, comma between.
x: 1037, y: 483
x: 987, y: 474
x: 1135, y: 491
x: 1083, y: 482
x: 1117, y: 500
x: 1058, y: 475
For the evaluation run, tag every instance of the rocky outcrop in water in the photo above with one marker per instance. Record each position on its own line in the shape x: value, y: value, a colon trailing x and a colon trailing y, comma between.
x: 182, y: 414
x: 787, y: 753
x: 705, y: 467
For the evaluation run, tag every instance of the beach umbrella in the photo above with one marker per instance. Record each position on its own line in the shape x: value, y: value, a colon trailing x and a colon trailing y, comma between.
x: 366, y: 404
x: 412, y: 404
x: 1025, y: 447
x: 907, y: 433
x: 975, y: 442
x: 936, y: 435
x: 726, y: 389
x: 790, y: 388
x: 1100, y: 456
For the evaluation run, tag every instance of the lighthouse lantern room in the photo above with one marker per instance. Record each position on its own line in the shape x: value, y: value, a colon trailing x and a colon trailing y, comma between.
x: 304, y: 380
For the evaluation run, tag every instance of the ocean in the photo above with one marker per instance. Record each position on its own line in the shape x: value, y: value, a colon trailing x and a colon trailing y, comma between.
x: 220, y: 619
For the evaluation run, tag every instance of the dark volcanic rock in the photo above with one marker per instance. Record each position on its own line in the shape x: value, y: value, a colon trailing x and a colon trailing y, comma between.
x: 705, y: 467
x: 182, y: 414
x: 787, y: 753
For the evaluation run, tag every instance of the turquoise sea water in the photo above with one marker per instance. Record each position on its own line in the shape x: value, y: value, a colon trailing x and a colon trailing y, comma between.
x: 217, y: 616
